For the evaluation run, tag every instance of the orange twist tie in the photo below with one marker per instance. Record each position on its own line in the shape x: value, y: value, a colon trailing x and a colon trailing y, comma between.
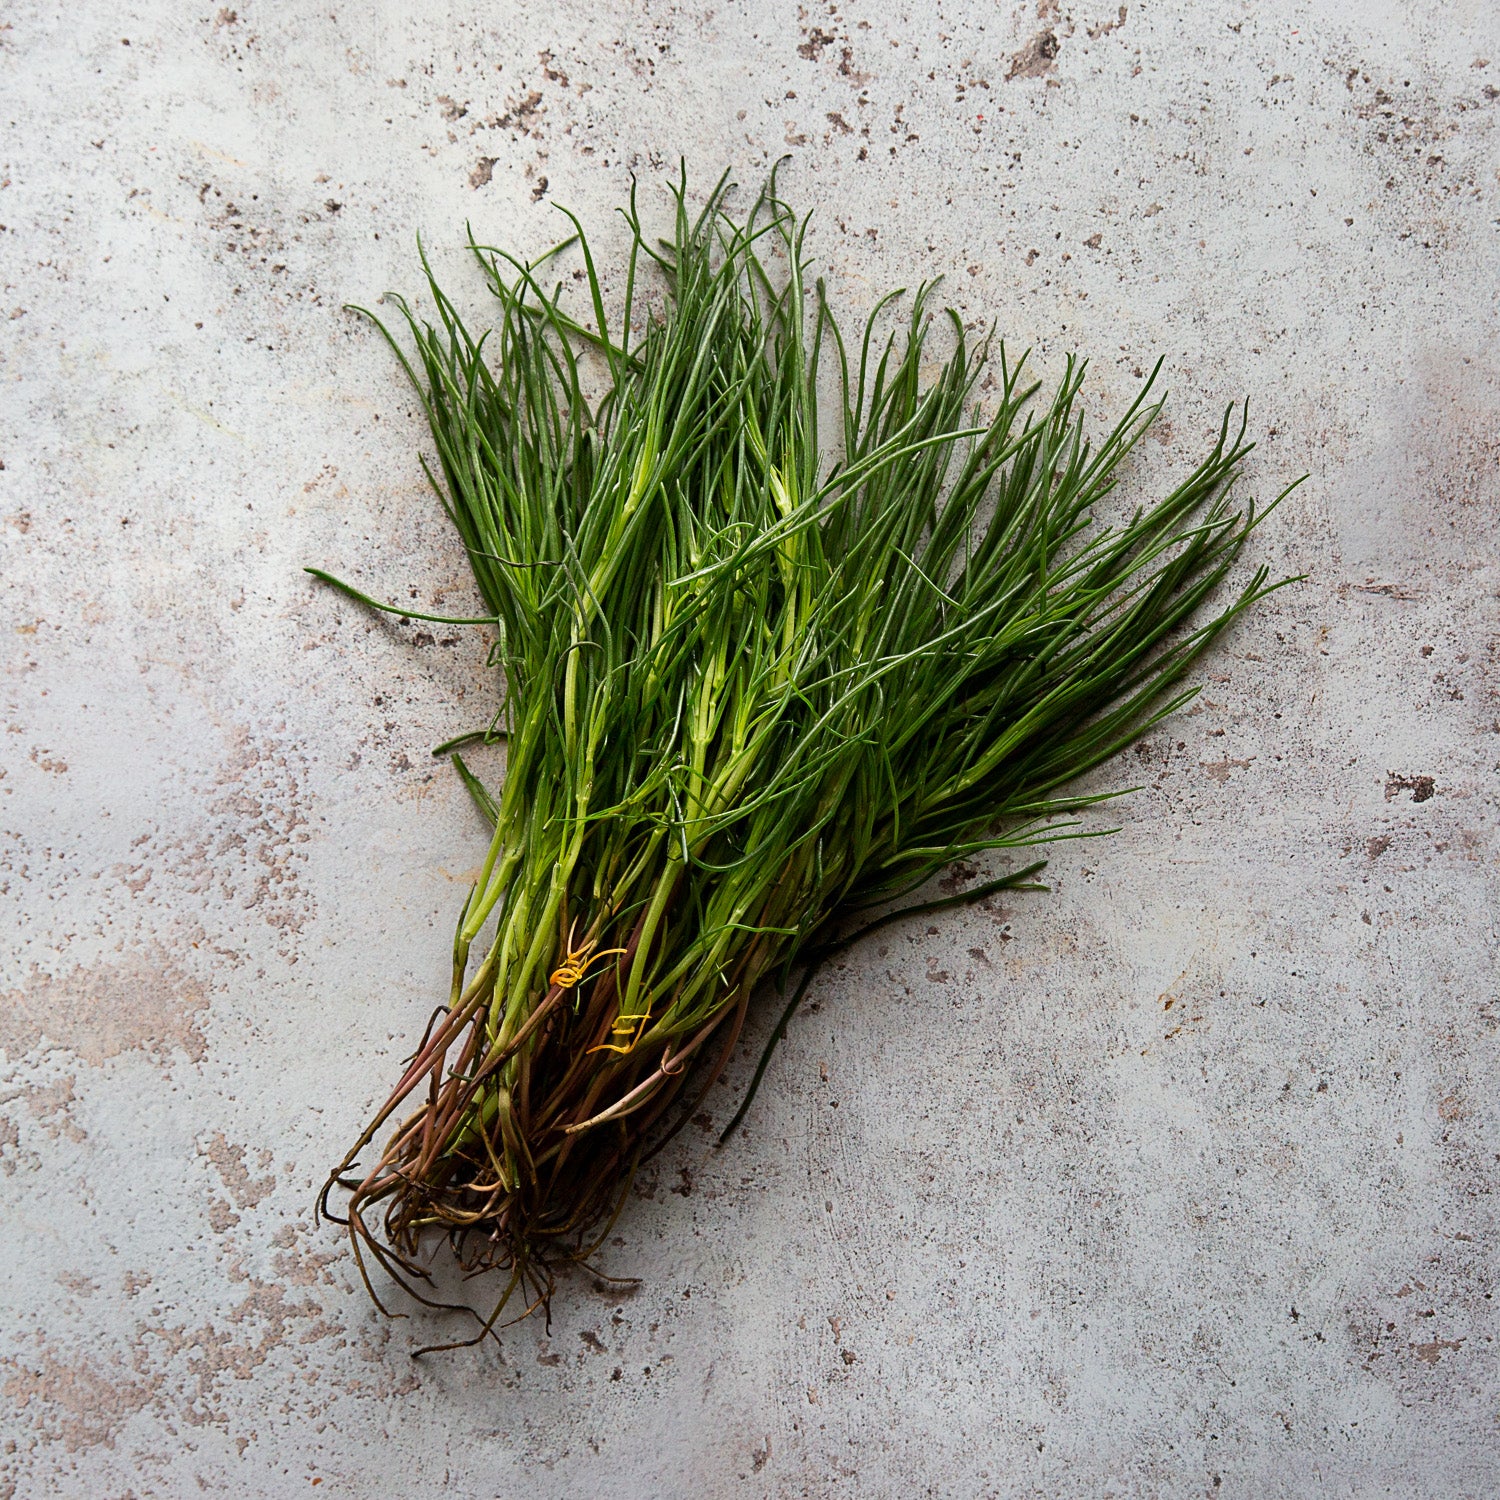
x: 572, y: 971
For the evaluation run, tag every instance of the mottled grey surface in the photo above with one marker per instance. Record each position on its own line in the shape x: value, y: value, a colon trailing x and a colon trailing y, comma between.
x: 1176, y: 1182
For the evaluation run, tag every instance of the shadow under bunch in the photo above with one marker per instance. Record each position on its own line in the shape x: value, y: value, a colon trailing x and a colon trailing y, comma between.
x: 756, y: 679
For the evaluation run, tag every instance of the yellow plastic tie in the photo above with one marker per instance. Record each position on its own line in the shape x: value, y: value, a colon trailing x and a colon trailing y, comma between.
x: 623, y: 1026
x: 571, y: 972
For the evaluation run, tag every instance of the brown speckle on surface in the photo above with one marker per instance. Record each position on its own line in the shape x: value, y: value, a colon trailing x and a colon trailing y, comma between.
x: 1103, y: 28
x: 142, y: 1002
x: 1420, y: 787
x: 817, y: 40
x: 229, y: 1162
x: 1429, y: 1353
x: 1036, y: 59
x: 77, y: 1404
x: 521, y: 117
x: 1221, y: 770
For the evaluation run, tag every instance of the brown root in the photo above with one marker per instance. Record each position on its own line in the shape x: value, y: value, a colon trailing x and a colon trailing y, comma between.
x: 521, y: 1149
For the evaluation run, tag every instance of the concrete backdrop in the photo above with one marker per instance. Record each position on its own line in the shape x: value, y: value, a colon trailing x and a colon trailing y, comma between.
x: 1176, y: 1182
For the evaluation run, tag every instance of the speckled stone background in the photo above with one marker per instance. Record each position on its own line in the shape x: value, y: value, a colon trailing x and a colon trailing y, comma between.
x: 1176, y: 1182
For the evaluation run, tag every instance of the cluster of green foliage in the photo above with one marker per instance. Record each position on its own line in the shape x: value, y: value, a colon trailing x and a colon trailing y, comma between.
x: 756, y: 677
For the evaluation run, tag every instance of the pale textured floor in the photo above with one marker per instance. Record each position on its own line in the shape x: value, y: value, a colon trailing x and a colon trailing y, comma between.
x: 1176, y: 1182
